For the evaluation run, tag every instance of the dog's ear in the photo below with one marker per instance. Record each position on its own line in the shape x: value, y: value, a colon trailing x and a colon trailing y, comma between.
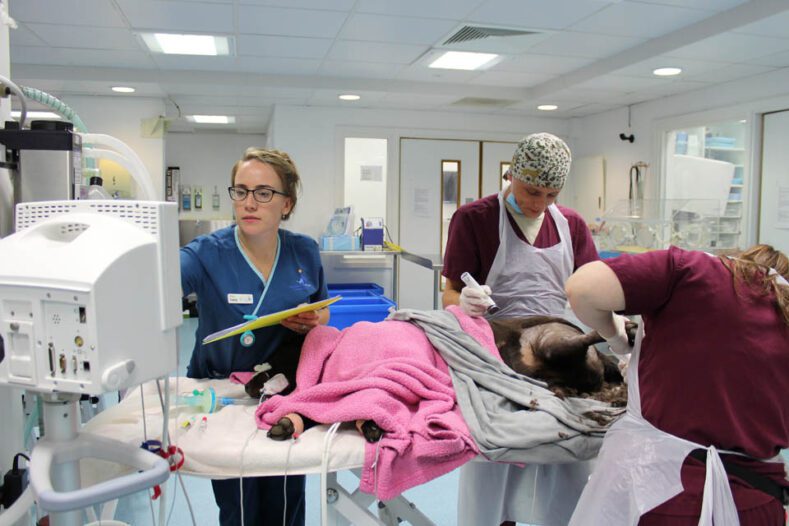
x: 611, y: 373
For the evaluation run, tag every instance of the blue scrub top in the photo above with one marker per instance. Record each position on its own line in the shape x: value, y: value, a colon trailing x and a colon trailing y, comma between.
x: 228, y: 287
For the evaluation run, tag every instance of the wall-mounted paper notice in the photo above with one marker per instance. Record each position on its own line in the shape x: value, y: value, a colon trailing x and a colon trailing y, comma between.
x: 372, y: 172
x: 782, y: 221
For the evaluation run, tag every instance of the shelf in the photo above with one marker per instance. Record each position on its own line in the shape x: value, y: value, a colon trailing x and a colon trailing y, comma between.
x: 736, y: 185
x: 734, y: 201
x: 724, y: 149
x: 730, y: 217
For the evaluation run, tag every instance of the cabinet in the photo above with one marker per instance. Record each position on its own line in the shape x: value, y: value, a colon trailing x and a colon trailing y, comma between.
x: 709, y: 162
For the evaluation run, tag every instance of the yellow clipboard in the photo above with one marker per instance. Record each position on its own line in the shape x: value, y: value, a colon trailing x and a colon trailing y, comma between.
x: 268, y: 320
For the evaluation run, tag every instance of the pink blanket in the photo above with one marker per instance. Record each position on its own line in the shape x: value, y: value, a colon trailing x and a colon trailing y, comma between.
x: 387, y: 372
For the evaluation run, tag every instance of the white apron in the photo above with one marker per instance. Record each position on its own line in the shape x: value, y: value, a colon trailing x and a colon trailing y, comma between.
x: 638, y: 468
x: 526, y: 280
x: 543, y: 494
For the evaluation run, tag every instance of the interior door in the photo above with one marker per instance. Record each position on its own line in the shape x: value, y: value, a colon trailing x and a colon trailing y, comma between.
x: 496, y: 158
x: 774, y: 199
x: 584, y: 190
x: 429, y: 193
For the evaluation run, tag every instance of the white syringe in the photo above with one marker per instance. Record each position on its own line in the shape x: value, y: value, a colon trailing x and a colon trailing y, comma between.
x: 469, y: 280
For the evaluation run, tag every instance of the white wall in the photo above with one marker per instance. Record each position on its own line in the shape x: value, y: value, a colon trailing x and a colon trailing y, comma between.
x: 206, y: 160
x: 314, y: 138
x: 121, y: 117
x: 742, y: 99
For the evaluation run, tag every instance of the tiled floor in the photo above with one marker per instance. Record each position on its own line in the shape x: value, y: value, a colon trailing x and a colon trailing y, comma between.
x: 437, y: 499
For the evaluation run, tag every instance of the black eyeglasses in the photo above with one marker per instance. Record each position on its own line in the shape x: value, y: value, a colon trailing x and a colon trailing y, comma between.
x: 263, y: 194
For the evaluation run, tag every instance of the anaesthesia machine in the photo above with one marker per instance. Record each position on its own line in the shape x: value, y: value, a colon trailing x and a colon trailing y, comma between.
x: 89, y: 303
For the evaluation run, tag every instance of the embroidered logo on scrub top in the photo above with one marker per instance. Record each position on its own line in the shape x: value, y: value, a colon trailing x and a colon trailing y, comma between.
x: 302, y: 283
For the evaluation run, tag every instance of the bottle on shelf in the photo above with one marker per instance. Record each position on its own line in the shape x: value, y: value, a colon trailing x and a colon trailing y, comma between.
x: 96, y: 189
x: 215, y: 199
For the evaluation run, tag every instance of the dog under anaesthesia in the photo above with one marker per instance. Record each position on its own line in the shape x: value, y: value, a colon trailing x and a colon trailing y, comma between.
x: 545, y: 348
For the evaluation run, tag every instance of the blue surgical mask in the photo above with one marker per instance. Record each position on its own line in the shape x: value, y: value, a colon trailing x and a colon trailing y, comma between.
x: 514, y: 204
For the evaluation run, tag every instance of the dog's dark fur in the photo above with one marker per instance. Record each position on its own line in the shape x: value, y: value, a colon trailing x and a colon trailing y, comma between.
x: 542, y: 347
x: 555, y: 351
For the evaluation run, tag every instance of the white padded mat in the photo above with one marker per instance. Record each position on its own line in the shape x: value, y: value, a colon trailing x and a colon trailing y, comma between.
x: 215, y: 451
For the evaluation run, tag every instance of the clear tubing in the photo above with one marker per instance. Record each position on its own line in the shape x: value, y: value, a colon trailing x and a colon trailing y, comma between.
x: 21, y: 95
x: 138, y: 170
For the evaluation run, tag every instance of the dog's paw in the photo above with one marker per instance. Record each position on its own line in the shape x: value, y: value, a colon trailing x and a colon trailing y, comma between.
x: 282, y: 430
x: 370, y: 430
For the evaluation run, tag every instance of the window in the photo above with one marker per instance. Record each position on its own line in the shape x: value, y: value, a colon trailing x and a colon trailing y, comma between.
x: 365, y: 176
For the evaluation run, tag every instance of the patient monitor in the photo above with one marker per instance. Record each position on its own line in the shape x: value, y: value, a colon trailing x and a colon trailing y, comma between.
x: 89, y: 295
x: 90, y: 299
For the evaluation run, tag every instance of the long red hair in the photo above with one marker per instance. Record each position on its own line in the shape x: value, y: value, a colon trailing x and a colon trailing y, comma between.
x: 753, y: 265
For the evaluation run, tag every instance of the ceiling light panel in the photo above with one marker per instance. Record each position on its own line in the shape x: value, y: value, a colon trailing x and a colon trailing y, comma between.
x: 464, y: 60
x: 184, y: 44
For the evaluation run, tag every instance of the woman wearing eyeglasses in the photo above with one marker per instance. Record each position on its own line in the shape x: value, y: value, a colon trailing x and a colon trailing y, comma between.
x: 242, y: 272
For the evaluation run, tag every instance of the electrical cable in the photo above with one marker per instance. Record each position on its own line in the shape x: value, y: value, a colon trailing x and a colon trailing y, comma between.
x: 241, y: 473
x: 327, y: 440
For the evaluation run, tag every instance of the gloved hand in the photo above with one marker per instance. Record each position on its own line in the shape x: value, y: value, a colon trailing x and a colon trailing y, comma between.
x: 474, y: 301
x: 619, y: 342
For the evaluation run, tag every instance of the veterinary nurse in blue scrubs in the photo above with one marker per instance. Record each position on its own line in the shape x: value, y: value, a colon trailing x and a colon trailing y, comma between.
x: 241, y: 272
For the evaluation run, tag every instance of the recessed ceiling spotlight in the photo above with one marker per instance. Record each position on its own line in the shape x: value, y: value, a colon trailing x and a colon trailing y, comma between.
x: 123, y: 89
x: 547, y: 107
x: 667, y: 72
x: 349, y: 96
x: 211, y: 119
x: 178, y: 44
x: 743, y: 121
x: 463, y: 60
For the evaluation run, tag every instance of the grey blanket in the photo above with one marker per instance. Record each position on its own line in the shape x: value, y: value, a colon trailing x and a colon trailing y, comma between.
x: 513, y: 418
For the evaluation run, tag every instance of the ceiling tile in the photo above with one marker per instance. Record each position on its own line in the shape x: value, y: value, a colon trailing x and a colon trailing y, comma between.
x: 449, y: 9
x: 398, y: 29
x: 373, y: 70
x: 556, y: 14
x: 574, y: 44
x: 289, y: 22
x: 178, y: 15
x: 80, y: 57
x: 68, y: 12
x: 86, y: 37
x: 541, y: 64
x: 333, y: 5
x: 375, y: 52
x: 421, y: 72
x: 730, y: 72
x: 419, y: 99
x: 710, y: 5
x: 622, y: 84
x: 281, y: 46
x: 732, y: 47
x: 197, y: 63
x: 278, y: 66
x: 628, y: 19
x: 509, y: 79
x: 777, y: 60
x: 774, y: 26
x: 22, y: 36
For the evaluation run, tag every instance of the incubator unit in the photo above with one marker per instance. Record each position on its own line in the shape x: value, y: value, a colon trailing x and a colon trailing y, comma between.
x: 652, y: 224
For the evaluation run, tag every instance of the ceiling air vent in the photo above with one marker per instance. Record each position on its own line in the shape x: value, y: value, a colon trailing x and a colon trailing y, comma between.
x: 483, y: 102
x: 492, y: 39
x: 466, y: 33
